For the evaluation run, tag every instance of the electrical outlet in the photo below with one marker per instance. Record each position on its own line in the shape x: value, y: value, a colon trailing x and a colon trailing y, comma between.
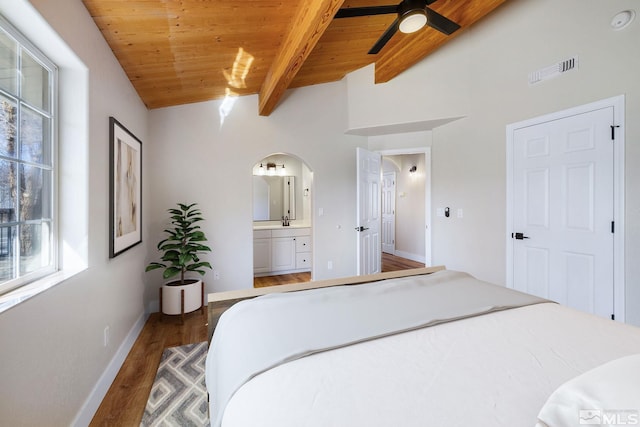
x: 106, y: 336
x: 330, y: 265
x: 216, y: 275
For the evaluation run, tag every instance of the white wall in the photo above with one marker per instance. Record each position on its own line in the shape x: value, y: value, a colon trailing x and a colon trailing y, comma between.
x: 482, y: 75
x: 52, y: 352
x: 196, y: 159
x: 410, y: 206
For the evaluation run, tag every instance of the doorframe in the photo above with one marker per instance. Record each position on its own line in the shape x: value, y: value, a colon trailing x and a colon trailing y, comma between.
x: 427, y: 193
x: 617, y: 102
x: 310, y: 192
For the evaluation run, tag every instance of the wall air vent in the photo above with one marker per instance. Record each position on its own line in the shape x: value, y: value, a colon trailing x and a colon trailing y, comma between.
x: 553, y: 70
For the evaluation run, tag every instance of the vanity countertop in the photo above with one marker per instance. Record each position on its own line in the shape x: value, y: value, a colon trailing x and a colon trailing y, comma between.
x: 278, y: 226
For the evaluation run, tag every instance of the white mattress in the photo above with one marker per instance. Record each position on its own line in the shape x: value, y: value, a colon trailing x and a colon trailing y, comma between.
x: 492, y: 370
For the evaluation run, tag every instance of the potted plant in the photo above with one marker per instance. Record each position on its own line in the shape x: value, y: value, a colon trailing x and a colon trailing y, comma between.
x: 181, y: 250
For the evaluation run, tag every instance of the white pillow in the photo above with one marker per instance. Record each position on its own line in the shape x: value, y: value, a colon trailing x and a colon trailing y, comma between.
x: 607, y: 395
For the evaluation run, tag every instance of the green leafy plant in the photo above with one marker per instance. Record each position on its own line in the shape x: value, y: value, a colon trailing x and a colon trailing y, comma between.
x: 183, y: 244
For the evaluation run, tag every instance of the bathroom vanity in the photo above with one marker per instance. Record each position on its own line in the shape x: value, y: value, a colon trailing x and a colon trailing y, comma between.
x: 281, y: 250
x: 281, y: 216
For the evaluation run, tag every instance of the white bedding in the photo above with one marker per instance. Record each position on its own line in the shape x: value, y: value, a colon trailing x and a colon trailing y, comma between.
x: 493, y: 370
x: 608, y: 394
x: 256, y: 335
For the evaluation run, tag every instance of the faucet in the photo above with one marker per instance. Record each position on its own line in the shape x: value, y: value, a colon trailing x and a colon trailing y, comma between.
x: 285, y: 221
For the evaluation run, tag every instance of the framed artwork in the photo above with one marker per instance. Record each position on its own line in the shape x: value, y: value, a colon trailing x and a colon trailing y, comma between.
x: 125, y: 189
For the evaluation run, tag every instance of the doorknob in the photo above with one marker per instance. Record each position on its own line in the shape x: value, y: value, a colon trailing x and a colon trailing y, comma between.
x: 361, y: 228
x: 518, y: 236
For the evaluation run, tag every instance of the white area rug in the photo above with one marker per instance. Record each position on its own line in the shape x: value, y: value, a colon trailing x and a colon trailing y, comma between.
x: 178, y: 396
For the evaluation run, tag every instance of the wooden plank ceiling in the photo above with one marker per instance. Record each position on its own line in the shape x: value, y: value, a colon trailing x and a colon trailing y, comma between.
x: 183, y: 51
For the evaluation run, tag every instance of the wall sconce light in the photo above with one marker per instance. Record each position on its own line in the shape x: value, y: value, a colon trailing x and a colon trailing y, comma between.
x: 413, y: 169
x: 272, y: 169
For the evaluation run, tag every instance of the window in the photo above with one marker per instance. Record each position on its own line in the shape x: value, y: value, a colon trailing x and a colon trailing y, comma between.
x: 27, y: 161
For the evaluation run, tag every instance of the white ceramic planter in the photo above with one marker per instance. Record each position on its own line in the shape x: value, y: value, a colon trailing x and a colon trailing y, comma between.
x: 172, y: 298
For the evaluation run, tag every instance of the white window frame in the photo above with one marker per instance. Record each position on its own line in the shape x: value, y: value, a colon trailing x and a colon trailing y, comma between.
x: 25, y: 44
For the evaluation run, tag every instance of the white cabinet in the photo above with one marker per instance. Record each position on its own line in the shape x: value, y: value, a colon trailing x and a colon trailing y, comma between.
x: 282, y: 250
x: 283, y: 253
x: 262, y: 252
x: 303, y: 252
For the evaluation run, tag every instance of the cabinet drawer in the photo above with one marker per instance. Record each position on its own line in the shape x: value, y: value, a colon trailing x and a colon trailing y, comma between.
x: 303, y: 244
x: 303, y: 260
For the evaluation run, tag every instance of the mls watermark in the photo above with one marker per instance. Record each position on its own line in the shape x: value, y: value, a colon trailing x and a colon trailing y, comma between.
x: 610, y: 417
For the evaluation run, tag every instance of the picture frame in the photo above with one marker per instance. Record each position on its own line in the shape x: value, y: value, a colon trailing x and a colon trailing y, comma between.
x: 125, y: 189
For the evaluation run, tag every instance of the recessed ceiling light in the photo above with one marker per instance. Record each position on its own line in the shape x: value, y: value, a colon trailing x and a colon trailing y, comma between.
x: 623, y: 19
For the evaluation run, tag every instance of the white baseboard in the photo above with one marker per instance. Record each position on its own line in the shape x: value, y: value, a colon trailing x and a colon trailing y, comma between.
x: 91, y: 405
x: 412, y: 257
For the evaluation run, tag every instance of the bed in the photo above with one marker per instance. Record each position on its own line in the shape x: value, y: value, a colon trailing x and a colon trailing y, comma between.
x: 438, y: 349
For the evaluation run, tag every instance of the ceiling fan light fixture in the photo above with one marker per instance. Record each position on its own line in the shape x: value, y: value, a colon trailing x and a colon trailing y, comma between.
x: 412, y: 15
x: 412, y: 21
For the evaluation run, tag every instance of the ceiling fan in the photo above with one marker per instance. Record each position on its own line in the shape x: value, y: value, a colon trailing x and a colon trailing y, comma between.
x: 412, y: 16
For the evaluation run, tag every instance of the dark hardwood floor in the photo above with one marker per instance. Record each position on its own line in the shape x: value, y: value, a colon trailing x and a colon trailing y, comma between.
x: 281, y: 279
x: 126, y: 399
x: 395, y: 263
x: 389, y: 263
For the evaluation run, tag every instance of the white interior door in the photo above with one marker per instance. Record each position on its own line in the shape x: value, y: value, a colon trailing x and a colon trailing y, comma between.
x: 389, y: 213
x: 563, y: 180
x: 368, y: 211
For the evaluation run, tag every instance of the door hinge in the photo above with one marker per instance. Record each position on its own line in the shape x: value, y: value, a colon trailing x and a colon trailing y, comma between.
x: 613, y: 226
x: 613, y: 131
x: 613, y: 316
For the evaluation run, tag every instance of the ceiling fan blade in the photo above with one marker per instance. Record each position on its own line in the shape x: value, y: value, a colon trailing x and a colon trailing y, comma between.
x: 350, y: 12
x: 440, y: 23
x: 384, y: 38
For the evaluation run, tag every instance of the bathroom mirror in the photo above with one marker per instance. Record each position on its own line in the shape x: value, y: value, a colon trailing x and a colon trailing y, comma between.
x: 273, y: 197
